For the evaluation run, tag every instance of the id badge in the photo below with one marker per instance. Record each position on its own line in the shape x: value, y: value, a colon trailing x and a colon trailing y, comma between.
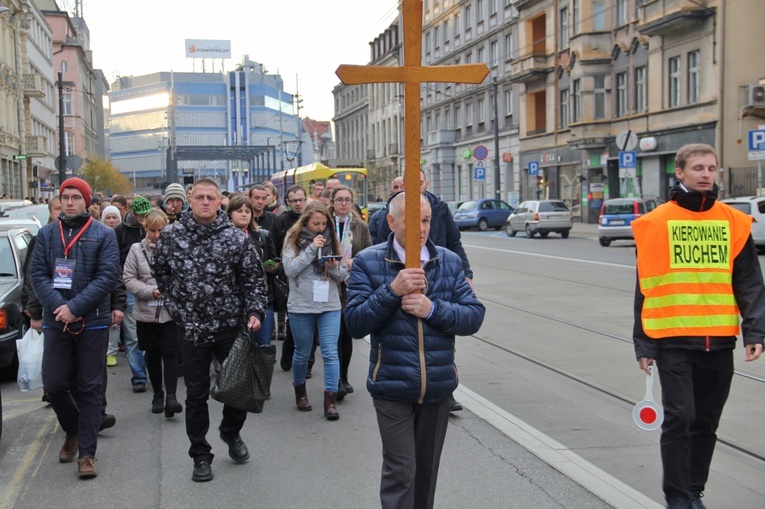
x: 155, y: 303
x: 64, y: 273
x: 321, y: 291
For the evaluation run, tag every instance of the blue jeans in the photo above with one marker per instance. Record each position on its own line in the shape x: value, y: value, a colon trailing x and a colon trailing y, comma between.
x: 133, y: 354
x: 303, y: 326
x: 263, y: 335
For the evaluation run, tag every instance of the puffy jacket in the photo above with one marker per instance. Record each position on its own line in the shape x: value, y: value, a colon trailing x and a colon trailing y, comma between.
x: 299, y: 268
x: 282, y: 224
x: 140, y: 282
x: 411, y: 359
x: 128, y: 232
x: 210, y: 275
x: 95, y: 273
x: 748, y: 290
x: 443, y: 229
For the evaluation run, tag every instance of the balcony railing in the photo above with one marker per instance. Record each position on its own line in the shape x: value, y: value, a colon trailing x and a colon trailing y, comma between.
x: 441, y: 137
x: 33, y: 86
x: 531, y: 67
x: 36, y: 146
x: 663, y: 17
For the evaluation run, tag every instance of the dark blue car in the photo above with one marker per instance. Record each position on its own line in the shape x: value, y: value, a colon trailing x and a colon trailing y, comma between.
x: 482, y: 214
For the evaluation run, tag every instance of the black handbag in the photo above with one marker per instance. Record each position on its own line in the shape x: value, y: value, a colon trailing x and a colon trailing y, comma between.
x: 281, y: 289
x: 244, y: 381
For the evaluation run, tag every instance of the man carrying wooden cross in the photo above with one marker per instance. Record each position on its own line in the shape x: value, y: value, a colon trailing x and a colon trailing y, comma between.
x: 414, y: 311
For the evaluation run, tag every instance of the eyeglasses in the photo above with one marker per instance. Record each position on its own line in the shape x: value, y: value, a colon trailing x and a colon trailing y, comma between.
x: 74, y: 198
x: 342, y: 200
x: 297, y: 200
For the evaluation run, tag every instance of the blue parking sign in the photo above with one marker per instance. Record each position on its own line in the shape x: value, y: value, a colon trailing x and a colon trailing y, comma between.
x: 756, y: 140
x: 533, y: 168
x: 479, y: 173
x: 627, y: 159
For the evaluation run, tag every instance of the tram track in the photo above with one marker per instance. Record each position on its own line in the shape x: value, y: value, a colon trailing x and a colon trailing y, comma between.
x: 729, y: 442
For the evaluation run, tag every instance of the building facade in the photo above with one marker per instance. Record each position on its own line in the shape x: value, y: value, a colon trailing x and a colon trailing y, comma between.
x: 243, y: 117
x: 351, y: 123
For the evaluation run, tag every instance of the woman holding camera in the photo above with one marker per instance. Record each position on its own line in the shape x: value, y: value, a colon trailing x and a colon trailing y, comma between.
x: 311, y: 260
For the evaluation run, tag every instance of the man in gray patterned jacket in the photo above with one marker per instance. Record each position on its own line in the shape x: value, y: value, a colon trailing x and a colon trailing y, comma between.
x: 212, y: 281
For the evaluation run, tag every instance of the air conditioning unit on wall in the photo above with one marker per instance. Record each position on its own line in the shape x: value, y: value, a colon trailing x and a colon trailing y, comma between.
x: 755, y: 95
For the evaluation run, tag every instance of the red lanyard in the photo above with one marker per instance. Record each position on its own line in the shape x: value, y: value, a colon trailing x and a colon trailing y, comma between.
x: 68, y: 247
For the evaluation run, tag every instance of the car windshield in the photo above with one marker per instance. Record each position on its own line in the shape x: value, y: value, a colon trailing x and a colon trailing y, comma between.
x: 7, y: 262
x: 468, y: 205
x: 552, y: 206
x: 619, y: 207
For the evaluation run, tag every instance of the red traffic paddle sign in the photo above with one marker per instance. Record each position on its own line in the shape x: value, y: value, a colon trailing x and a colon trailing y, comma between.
x: 647, y: 414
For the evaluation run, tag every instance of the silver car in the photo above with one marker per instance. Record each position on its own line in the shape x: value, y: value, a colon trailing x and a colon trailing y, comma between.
x: 755, y: 207
x: 540, y: 216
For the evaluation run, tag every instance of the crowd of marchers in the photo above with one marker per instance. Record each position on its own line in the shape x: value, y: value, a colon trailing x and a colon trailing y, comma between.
x: 171, y: 281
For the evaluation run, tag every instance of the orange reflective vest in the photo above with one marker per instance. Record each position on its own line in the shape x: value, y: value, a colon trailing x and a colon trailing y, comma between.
x: 685, y: 266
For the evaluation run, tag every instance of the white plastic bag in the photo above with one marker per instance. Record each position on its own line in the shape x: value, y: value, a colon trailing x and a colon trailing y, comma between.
x: 30, y: 350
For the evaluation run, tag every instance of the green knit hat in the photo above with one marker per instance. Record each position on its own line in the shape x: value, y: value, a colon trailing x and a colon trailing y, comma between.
x: 141, y: 205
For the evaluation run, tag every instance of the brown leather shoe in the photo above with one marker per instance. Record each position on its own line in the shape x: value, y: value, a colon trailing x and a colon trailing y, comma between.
x: 330, y: 406
x: 301, y: 398
x: 87, y: 467
x: 68, y: 450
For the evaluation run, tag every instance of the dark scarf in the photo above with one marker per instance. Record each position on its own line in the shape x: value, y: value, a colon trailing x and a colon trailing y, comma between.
x: 696, y: 201
x: 76, y: 221
x: 306, y: 239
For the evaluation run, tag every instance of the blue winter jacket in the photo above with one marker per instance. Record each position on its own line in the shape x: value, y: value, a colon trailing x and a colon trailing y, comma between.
x: 95, y: 272
x: 411, y: 359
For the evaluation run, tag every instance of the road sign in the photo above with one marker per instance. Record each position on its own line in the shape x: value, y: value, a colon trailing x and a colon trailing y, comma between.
x: 72, y: 163
x: 507, y: 157
x: 481, y: 152
x: 627, y: 159
x: 626, y: 140
x: 756, y: 144
x: 479, y: 173
x: 533, y: 168
x: 20, y: 157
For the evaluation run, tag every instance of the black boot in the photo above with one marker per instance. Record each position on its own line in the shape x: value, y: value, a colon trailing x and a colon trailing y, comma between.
x: 172, y: 406
x: 158, y: 403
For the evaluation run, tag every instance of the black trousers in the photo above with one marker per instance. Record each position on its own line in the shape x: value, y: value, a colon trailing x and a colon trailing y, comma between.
x: 344, y: 348
x: 163, y: 349
x: 412, y: 439
x: 694, y: 388
x: 86, y: 353
x: 196, y: 373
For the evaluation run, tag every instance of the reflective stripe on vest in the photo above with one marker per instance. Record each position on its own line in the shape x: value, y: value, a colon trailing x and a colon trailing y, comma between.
x: 685, y: 264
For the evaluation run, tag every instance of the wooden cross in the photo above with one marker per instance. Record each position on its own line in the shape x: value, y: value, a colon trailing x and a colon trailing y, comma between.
x: 412, y: 74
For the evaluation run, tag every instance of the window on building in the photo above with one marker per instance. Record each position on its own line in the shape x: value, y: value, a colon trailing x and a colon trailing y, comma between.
x: 598, y: 15
x: 63, y: 67
x: 509, y: 47
x: 469, y: 57
x: 481, y: 55
x: 447, y: 118
x: 576, y: 100
x: 494, y: 53
x: 478, y: 11
x: 481, y: 111
x: 493, y: 7
x: 563, y: 121
x: 563, y: 29
x: 68, y: 103
x: 456, y: 27
x: 621, y: 94
x: 427, y: 43
x: 508, y: 102
x: 457, y: 117
x: 69, y: 144
x: 620, y: 12
x: 468, y: 114
x: 694, y: 76
x: 575, y: 17
x: 446, y: 32
x: 468, y: 15
x: 536, y: 112
x: 437, y: 37
x: 600, y: 97
x: 640, y: 90
x: 674, y: 82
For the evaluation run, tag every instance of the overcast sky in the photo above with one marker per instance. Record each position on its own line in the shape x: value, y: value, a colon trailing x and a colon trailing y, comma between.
x: 307, y: 38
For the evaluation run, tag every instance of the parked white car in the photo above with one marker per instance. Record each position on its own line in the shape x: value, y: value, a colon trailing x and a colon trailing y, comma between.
x: 755, y: 207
